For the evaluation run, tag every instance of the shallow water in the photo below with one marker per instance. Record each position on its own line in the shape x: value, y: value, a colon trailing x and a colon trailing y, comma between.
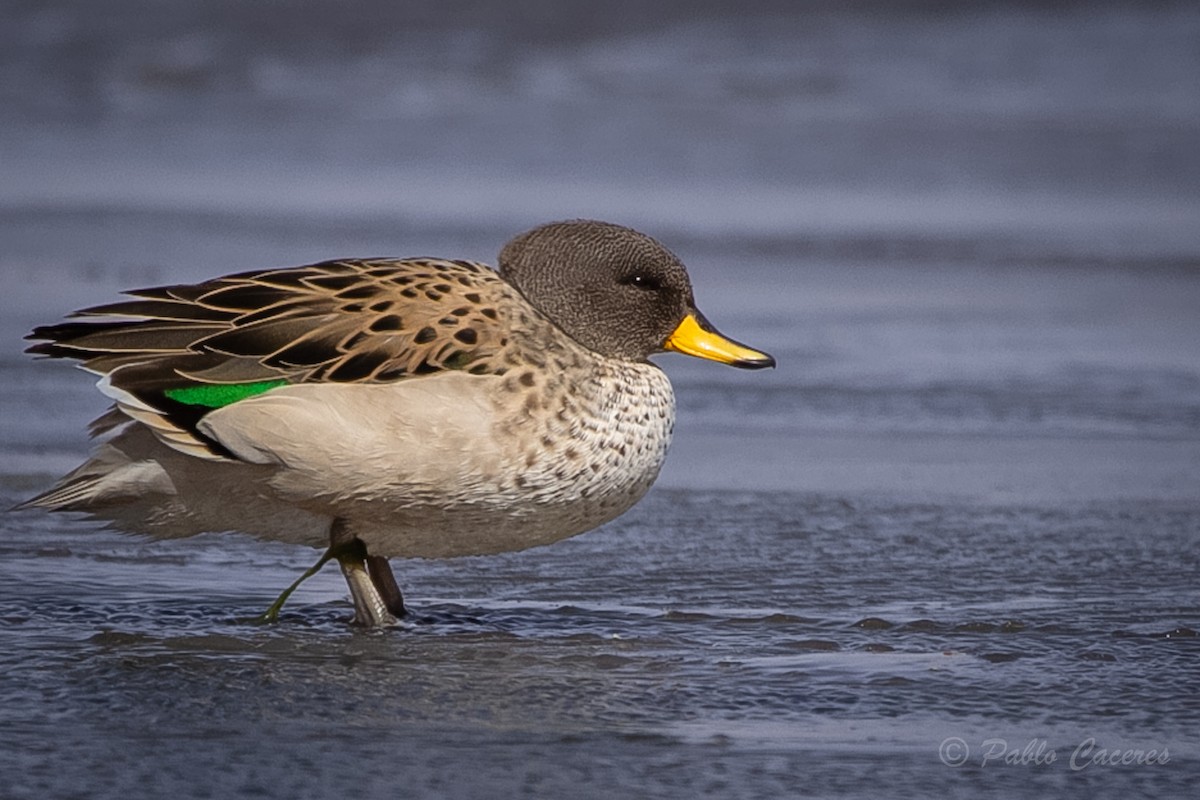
x: 964, y: 511
x: 723, y: 643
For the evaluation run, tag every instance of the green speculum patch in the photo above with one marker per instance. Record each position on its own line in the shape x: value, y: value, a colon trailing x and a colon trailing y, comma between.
x: 217, y: 395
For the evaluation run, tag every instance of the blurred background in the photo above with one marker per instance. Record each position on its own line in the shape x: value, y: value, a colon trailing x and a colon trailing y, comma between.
x: 863, y: 129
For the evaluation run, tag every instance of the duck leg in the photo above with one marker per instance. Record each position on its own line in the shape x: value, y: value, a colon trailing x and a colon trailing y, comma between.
x: 372, y: 585
x: 385, y: 583
x: 272, y: 613
x: 371, y: 610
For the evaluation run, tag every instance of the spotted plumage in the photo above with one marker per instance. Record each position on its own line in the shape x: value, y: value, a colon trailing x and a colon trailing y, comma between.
x: 410, y: 407
x: 179, y: 351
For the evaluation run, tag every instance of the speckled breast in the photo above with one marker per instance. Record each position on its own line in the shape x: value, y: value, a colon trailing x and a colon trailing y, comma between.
x: 579, y: 449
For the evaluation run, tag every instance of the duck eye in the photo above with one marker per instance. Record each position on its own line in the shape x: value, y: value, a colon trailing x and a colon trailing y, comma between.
x: 641, y: 281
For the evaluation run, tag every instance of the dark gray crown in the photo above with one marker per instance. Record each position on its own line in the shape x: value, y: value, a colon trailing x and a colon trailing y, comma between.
x: 614, y: 290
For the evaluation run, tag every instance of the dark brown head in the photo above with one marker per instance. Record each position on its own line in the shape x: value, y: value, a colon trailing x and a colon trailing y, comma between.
x: 616, y: 291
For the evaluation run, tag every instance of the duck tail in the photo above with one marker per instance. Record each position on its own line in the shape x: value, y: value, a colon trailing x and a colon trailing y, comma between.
x: 109, y: 478
x: 69, y: 494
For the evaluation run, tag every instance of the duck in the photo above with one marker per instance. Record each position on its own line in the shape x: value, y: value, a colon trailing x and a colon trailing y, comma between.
x: 385, y: 408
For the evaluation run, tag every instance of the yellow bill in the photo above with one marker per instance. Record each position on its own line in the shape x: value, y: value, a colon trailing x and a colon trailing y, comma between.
x: 695, y: 336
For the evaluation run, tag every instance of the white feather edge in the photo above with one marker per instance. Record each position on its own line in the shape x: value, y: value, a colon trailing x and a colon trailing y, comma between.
x: 167, y: 433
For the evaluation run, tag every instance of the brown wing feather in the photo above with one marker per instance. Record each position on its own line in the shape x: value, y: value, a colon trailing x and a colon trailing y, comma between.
x: 300, y: 324
x: 341, y: 321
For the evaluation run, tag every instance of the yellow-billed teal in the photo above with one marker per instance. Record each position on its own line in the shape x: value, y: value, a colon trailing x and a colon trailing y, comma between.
x: 414, y: 407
